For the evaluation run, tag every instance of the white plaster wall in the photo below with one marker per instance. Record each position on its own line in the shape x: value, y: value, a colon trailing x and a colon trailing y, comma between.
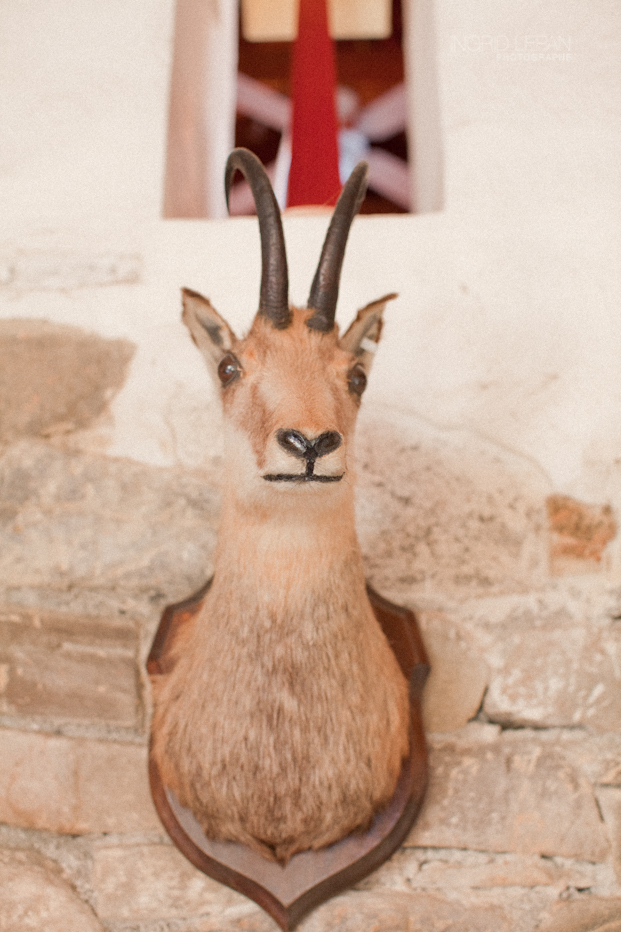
x: 532, y: 192
x: 83, y: 111
x: 506, y: 324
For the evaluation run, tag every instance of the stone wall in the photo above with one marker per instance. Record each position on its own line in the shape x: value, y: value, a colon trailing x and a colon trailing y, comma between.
x: 520, y: 829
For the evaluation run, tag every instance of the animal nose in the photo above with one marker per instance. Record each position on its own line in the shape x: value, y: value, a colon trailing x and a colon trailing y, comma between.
x: 327, y: 443
x: 298, y: 445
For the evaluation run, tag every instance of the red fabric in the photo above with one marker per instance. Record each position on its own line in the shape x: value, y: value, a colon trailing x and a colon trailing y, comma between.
x: 314, y: 173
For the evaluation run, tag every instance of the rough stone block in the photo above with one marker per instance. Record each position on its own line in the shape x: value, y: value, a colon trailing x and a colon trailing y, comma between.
x: 512, y: 794
x: 79, y: 520
x: 458, y: 677
x: 254, y: 920
x: 71, y: 667
x: 461, y: 870
x: 33, y: 895
x: 74, y: 785
x: 609, y: 799
x: 383, y: 911
x: 578, y: 534
x: 55, y: 379
x: 554, y: 656
x: 563, y: 675
x: 596, y: 756
x: 440, y: 513
x: 139, y: 883
x: 587, y: 914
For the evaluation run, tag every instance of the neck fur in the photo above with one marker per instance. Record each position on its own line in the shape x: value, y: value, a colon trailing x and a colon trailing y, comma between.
x: 282, y: 554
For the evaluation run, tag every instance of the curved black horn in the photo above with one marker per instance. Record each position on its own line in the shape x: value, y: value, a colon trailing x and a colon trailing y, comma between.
x: 325, y: 288
x: 274, y: 299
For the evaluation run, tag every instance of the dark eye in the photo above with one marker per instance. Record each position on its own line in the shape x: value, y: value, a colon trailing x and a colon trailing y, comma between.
x: 357, y: 380
x: 228, y: 369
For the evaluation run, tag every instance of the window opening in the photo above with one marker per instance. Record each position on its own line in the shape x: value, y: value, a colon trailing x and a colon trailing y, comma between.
x: 226, y: 90
x: 371, y: 107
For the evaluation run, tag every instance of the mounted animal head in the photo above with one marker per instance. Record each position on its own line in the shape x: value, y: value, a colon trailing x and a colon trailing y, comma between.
x: 291, y: 388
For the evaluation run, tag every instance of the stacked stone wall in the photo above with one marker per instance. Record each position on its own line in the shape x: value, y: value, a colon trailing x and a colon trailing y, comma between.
x: 521, y: 827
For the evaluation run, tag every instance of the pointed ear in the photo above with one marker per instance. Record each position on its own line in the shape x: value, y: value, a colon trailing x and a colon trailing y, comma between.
x: 362, y: 336
x: 210, y: 332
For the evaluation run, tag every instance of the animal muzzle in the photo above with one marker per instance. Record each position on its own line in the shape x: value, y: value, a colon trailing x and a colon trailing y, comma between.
x: 297, y: 444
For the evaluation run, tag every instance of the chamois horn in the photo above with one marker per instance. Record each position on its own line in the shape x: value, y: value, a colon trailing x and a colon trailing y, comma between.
x: 274, y: 297
x: 325, y: 288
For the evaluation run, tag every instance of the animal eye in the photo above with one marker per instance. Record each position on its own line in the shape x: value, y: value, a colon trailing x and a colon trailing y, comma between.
x: 228, y: 369
x: 357, y: 380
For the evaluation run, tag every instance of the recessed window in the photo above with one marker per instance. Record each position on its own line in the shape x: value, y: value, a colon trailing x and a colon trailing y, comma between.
x: 371, y: 109
x: 227, y: 90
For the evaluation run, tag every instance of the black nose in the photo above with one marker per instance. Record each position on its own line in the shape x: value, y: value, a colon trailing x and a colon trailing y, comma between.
x: 327, y: 443
x: 298, y: 445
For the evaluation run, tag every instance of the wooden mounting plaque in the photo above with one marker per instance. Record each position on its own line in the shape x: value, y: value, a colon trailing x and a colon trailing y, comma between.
x: 310, y: 877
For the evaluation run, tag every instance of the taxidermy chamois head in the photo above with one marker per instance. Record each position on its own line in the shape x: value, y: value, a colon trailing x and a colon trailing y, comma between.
x: 284, y: 718
x: 292, y: 388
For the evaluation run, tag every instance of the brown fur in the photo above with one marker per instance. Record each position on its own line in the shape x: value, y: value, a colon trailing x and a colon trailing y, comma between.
x: 284, y: 721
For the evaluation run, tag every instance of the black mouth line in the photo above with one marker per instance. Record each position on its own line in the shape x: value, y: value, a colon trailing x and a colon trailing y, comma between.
x: 302, y: 477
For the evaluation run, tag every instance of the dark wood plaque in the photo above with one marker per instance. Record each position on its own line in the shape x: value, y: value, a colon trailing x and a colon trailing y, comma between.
x: 310, y: 877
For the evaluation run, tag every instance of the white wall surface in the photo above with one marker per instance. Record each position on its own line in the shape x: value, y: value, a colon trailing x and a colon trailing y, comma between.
x: 507, y: 323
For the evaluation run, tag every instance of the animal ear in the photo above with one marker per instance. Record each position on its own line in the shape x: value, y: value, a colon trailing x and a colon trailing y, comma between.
x: 362, y: 335
x: 210, y: 332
